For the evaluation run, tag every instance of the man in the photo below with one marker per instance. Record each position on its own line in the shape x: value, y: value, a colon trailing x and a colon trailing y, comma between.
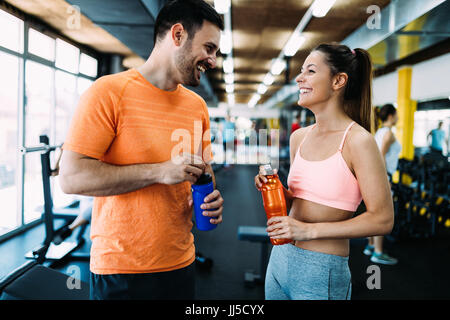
x: 437, y: 138
x: 120, y: 149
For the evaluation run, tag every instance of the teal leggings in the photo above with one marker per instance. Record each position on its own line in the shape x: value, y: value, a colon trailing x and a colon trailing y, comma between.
x: 298, y: 274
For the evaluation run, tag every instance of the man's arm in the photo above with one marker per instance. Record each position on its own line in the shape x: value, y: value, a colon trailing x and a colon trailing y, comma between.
x: 83, y: 175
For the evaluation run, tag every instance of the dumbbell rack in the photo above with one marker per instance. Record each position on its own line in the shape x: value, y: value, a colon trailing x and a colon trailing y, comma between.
x: 421, y: 208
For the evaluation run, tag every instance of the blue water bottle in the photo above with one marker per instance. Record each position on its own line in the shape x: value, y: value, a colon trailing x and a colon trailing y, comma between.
x: 200, y: 190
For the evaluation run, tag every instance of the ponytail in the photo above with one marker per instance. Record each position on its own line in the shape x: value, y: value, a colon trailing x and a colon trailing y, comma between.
x: 377, y: 118
x: 358, y: 91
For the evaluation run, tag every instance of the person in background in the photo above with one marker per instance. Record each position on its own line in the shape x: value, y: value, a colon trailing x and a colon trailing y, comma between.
x: 228, y: 137
x: 84, y: 217
x: 437, y: 139
x: 390, y: 149
x: 296, y: 123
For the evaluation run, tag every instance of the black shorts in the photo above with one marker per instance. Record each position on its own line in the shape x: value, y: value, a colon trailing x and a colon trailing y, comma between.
x: 171, y: 285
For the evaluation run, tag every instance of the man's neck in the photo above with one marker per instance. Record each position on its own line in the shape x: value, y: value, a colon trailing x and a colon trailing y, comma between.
x: 159, y: 72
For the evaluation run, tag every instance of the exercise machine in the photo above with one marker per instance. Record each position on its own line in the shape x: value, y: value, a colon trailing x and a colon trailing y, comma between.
x: 58, y: 248
x: 32, y: 280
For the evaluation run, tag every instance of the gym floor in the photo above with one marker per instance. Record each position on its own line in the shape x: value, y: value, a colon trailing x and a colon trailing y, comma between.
x: 422, y: 271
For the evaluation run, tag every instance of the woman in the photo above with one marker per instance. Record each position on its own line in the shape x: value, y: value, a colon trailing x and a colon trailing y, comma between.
x: 334, y: 164
x: 390, y: 149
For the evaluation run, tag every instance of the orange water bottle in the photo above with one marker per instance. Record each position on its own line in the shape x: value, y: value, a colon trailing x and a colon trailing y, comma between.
x: 273, y: 199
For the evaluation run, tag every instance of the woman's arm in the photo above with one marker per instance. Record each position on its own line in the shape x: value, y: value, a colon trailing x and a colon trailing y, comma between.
x: 371, y: 175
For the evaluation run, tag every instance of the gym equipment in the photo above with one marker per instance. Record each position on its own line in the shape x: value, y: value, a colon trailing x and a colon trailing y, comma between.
x: 56, y: 249
x: 32, y: 280
x: 421, y: 207
x: 256, y: 234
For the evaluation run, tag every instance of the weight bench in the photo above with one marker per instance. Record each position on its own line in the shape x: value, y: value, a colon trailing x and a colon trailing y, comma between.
x: 256, y: 234
x: 32, y: 281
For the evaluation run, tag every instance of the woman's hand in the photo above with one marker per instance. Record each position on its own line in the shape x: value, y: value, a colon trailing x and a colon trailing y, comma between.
x: 260, y: 177
x: 285, y: 227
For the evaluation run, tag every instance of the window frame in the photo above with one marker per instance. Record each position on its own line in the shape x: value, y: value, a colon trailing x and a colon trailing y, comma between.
x: 21, y: 150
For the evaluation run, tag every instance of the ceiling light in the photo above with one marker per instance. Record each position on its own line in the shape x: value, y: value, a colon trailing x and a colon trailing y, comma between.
x: 294, y: 43
x: 229, y: 78
x: 225, y: 42
x: 229, y: 88
x: 254, y: 100
x: 268, y: 79
x: 262, y: 88
x: 222, y: 6
x: 320, y: 8
x: 228, y: 65
x: 278, y: 66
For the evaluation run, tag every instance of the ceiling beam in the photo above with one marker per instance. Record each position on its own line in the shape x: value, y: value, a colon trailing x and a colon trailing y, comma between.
x: 393, y: 17
x: 153, y: 6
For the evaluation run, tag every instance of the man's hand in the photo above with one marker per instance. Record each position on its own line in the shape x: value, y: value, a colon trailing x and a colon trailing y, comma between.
x: 214, y: 205
x: 186, y: 167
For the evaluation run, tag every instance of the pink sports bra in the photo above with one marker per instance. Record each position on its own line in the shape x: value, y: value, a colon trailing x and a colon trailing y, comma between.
x: 329, y: 182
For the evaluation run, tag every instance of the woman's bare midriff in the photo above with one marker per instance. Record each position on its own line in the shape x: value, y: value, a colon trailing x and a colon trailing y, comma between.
x: 307, y: 211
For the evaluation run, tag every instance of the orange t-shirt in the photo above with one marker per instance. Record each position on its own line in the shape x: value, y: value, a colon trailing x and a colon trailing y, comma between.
x: 122, y: 119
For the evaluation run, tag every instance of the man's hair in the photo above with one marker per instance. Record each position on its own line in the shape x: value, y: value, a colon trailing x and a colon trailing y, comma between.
x: 190, y: 13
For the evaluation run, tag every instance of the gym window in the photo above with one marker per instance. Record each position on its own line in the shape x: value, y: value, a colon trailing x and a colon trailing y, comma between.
x: 43, y: 76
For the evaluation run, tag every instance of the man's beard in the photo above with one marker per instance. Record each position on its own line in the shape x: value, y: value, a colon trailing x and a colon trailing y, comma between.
x: 186, y: 65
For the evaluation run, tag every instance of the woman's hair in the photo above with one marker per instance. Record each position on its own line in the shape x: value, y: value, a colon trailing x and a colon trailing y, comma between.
x: 358, y: 91
x: 382, y: 114
x: 190, y: 13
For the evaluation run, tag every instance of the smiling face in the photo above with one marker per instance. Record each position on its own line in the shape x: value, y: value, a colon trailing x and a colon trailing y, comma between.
x: 198, y: 54
x: 314, y: 80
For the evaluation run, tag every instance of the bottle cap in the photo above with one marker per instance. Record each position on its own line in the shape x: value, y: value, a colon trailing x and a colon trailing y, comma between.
x: 268, y: 169
x: 205, y: 178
